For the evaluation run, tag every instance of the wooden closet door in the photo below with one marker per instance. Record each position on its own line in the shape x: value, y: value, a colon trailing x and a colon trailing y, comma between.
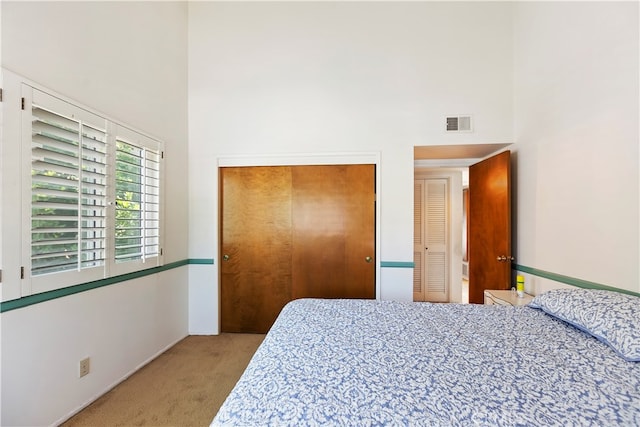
x: 293, y: 232
x: 255, y: 246
x: 333, y: 231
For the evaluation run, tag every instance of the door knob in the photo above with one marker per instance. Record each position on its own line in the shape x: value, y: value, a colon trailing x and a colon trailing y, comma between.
x: 501, y: 258
x: 368, y: 259
x: 225, y: 257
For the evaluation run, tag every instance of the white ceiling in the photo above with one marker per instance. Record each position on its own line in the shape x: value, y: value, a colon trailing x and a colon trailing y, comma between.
x: 453, y: 155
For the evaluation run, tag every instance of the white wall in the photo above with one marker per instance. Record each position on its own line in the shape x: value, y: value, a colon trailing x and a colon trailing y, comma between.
x: 127, y: 60
x: 298, y: 77
x: 121, y: 327
x: 577, y: 124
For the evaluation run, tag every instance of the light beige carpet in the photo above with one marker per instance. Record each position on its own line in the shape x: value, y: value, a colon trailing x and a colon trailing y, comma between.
x: 184, y: 386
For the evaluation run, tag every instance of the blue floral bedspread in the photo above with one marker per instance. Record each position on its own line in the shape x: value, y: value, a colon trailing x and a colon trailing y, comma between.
x: 365, y: 363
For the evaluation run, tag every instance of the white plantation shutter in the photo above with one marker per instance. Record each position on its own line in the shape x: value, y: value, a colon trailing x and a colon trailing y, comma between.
x: 137, y: 199
x: 68, y: 189
x: 92, y: 199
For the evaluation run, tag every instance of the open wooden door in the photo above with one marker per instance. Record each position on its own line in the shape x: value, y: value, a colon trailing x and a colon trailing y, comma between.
x: 489, y: 225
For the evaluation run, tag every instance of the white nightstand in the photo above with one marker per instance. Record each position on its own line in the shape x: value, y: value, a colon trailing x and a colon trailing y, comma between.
x: 505, y: 298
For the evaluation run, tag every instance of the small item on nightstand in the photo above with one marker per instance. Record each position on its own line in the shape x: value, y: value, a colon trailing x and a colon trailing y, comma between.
x: 520, y: 286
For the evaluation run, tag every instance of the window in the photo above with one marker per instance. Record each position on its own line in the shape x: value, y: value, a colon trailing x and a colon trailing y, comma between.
x: 137, y: 198
x: 94, y: 195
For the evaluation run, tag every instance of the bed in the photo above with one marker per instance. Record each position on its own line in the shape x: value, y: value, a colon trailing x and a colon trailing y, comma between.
x: 570, y: 358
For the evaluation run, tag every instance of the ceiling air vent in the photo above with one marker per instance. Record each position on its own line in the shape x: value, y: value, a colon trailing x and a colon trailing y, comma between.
x: 459, y: 124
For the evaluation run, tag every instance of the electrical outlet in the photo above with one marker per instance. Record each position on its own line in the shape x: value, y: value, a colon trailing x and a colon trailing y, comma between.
x: 85, y: 366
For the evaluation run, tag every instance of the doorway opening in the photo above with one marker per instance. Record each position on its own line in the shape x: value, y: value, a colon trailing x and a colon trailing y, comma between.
x: 451, y: 162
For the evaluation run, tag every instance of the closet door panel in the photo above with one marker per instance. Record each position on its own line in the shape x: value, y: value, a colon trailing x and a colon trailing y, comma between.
x: 333, y: 231
x: 255, y: 246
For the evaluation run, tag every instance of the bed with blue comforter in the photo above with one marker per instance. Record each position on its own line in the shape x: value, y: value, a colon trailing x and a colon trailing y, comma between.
x: 366, y: 363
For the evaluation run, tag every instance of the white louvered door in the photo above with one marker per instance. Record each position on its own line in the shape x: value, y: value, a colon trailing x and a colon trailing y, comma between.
x: 431, y: 263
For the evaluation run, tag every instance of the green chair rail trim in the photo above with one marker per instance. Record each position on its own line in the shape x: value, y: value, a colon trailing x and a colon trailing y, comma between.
x: 570, y: 280
x: 205, y: 261
x: 59, y: 293
x: 397, y: 264
x: 63, y: 292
